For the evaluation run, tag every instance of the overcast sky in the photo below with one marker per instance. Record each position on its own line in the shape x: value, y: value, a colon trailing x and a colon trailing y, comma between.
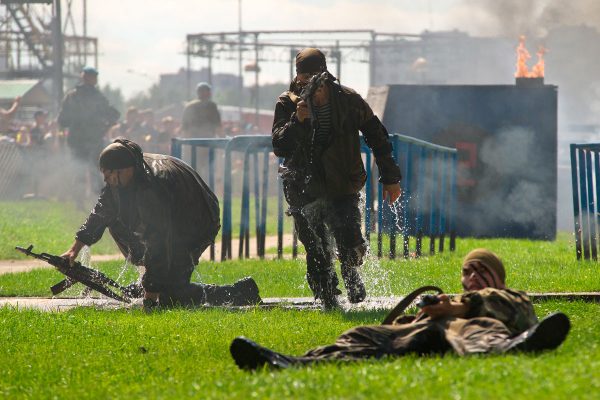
x: 139, y: 39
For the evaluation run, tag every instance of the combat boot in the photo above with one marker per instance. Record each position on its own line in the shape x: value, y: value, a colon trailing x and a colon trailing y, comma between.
x: 328, y: 295
x: 245, y: 292
x: 324, y: 286
x: 149, y: 305
x: 354, y: 284
x: 548, y: 334
x: 330, y: 302
x: 249, y: 355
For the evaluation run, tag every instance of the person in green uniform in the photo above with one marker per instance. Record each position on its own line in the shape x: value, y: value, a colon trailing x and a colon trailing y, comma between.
x: 487, y: 318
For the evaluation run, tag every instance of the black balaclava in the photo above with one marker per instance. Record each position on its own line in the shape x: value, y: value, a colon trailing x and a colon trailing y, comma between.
x: 310, y: 60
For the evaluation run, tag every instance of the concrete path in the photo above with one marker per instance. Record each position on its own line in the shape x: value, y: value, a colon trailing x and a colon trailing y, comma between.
x: 299, y: 303
x: 12, y: 266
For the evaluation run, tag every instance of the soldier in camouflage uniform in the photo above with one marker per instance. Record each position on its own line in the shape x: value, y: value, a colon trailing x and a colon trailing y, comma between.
x: 487, y: 318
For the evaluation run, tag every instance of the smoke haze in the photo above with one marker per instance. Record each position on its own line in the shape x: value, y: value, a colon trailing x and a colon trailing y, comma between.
x: 511, y: 18
x: 520, y: 177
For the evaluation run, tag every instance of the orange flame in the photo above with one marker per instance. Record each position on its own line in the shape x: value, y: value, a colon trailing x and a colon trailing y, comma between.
x: 523, y: 56
x: 538, y: 69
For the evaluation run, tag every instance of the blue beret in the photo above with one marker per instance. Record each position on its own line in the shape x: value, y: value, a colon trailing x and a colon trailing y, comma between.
x: 203, y: 85
x: 90, y: 70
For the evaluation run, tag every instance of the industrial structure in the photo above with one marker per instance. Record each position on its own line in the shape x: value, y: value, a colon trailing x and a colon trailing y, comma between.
x: 41, y: 41
x: 253, y: 49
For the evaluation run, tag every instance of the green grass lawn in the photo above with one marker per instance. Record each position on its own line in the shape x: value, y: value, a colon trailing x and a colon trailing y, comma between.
x: 50, y: 226
x: 533, y: 266
x: 89, y: 353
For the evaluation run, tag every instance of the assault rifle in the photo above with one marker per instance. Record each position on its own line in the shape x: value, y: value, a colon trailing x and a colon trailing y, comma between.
x: 89, y: 277
x: 407, y: 301
x: 308, y: 92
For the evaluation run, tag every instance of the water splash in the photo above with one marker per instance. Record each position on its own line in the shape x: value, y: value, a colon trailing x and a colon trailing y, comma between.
x: 379, y: 280
x: 126, y: 266
x: 375, y: 277
x: 85, y: 256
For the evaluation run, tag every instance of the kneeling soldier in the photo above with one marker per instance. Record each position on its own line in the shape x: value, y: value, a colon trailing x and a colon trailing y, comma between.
x: 162, y: 216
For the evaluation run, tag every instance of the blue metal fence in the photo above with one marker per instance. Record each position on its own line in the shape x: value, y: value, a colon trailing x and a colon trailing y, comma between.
x: 426, y: 207
x: 213, y: 145
x: 585, y: 173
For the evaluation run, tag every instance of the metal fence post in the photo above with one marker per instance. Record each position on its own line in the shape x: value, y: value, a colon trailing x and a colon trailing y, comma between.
x: 575, y: 188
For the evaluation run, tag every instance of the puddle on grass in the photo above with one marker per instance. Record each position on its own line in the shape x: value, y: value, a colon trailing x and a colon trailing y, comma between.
x: 377, y: 279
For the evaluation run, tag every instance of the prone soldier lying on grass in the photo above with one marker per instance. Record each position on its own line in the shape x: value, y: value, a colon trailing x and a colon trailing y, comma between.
x: 487, y: 318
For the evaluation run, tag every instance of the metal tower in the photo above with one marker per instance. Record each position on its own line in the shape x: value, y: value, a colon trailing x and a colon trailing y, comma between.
x: 36, y: 44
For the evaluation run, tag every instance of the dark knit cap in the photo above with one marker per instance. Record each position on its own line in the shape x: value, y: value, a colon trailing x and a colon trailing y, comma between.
x: 310, y: 60
x: 116, y: 156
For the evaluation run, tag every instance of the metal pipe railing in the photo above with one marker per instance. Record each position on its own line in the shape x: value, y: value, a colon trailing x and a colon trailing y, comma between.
x: 426, y: 208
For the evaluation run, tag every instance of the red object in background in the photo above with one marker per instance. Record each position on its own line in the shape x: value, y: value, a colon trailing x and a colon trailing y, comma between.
x: 467, y: 152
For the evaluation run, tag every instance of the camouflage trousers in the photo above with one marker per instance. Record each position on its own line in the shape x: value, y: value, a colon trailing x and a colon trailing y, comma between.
x: 463, y: 336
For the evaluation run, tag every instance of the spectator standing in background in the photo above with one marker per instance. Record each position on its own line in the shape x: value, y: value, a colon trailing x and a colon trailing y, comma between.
x: 201, y: 118
x: 149, y: 131
x: 38, y: 148
x: 131, y: 128
x: 167, y: 131
x: 87, y: 115
x: 6, y: 116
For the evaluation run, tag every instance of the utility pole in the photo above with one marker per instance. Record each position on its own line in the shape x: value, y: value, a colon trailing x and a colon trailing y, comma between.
x: 372, y: 59
x: 188, y: 71
x: 256, y: 85
x: 57, y: 45
x: 240, y: 67
x: 85, y: 50
x: 210, y: 57
x: 337, y: 54
x: 293, y: 53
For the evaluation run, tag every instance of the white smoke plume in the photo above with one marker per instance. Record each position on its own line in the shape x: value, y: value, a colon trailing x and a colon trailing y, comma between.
x: 517, y: 172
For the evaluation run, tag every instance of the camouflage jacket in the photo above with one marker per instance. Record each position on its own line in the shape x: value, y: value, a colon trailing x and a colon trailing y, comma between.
x: 511, y: 307
x: 339, y: 169
x: 495, y: 316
